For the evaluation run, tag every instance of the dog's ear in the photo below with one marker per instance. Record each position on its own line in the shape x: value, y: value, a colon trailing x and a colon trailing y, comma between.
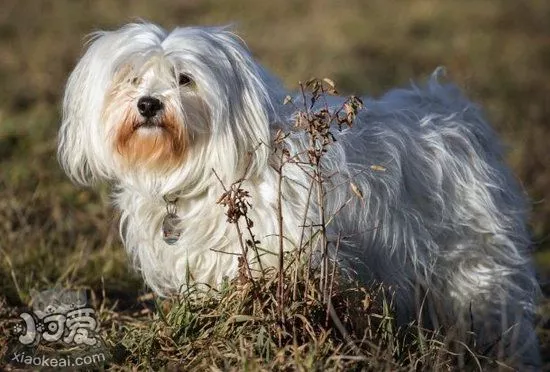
x: 79, y: 152
x: 254, y: 97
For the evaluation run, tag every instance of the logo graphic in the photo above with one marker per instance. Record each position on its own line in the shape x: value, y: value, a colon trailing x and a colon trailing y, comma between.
x: 60, y: 331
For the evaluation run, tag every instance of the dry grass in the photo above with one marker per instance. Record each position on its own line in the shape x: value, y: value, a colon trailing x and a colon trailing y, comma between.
x: 240, y: 328
x: 54, y: 233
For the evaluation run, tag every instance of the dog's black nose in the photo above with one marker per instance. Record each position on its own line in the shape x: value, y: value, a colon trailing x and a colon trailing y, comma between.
x: 149, y: 106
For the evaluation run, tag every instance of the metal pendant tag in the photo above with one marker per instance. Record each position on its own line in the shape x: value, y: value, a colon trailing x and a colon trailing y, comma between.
x: 171, y: 230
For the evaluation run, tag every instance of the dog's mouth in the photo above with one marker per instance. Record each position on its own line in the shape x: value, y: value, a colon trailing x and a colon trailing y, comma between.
x: 150, y: 124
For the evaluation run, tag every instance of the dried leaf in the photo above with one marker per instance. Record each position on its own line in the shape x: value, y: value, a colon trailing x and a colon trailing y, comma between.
x: 367, y: 302
x: 329, y: 82
x: 378, y: 168
x: 356, y: 190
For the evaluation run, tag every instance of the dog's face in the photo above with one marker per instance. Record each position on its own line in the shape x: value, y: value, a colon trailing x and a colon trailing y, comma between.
x: 152, y: 112
x: 146, y: 102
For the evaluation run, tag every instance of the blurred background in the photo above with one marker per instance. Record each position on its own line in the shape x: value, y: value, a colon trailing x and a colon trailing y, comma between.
x: 51, y: 232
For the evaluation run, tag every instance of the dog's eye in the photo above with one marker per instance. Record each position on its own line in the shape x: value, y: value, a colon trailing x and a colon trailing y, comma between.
x: 184, y: 79
x: 135, y: 81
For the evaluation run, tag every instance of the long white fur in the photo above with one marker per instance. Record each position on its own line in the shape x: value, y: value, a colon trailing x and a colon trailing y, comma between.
x: 443, y: 220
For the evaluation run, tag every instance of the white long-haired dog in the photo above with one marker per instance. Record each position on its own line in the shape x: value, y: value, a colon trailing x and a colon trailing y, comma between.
x: 155, y: 112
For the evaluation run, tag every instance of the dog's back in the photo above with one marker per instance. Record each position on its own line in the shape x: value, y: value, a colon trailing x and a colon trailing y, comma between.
x: 442, y: 219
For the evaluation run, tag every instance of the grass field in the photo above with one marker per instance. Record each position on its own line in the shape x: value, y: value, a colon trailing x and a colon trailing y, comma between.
x: 52, y: 232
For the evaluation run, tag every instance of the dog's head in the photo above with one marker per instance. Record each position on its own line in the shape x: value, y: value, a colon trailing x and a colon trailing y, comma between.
x: 144, y: 102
